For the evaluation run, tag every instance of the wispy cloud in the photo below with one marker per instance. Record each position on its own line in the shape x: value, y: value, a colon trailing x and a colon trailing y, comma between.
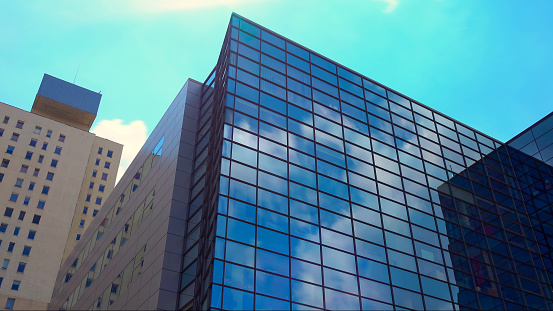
x: 132, y: 136
x: 392, y: 5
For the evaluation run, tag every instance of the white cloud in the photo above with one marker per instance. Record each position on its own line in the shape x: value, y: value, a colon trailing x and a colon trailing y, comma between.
x: 132, y: 136
x: 392, y: 5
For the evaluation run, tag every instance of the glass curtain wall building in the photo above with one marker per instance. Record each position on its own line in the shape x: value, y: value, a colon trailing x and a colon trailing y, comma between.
x: 314, y: 187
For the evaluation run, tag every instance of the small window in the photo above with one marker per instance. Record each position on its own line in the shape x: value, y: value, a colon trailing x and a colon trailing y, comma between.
x: 49, y: 133
x: 16, y: 231
x: 85, y: 210
x: 68, y: 277
x: 10, y: 149
x: 100, y: 150
x: 26, y: 200
x: 21, y: 267
x: 49, y: 176
x: 8, y: 212
x: 10, y: 303
x: 19, y: 124
x: 1, y: 177
x: 31, y: 234
x: 26, y: 250
x: 97, y: 162
x: 15, y: 137
x: 81, y: 224
x: 78, y: 237
x: 29, y: 155
x: 45, y: 189
x: 21, y: 215
x: 15, y: 285
x: 14, y: 196
x: 98, y: 200
x: 94, y: 213
x: 101, y: 188
x: 5, y: 264
x: 104, y: 176
x: 61, y: 138
x: 91, y: 185
x: 6, y: 119
x: 110, y: 153
x: 1, y: 132
x: 36, y: 219
x: 33, y: 142
x: 44, y: 146
x: 3, y: 228
x: 38, y: 129
x: 24, y: 168
x: 11, y: 246
x: 37, y: 170
x: 54, y: 163
x: 88, y: 196
x: 94, y: 173
x: 19, y: 182
x: 107, y: 165
x: 5, y: 163
x: 41, y: 204
x: 31, y: 186
x: 57, y: 150
x: 40, y: 158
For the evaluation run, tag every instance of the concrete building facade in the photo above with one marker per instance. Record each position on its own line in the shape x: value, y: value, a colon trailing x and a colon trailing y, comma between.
x: 47, y: 196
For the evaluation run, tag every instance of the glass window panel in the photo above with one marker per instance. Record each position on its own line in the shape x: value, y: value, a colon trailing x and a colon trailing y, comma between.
x: 402, y: 260
x: 304, y: 230
x: 273, y: 285
x: 249, y: 65
x: 369, y: 233
x: 242, y: 191
x: 273, y: 51
x: 331, y: 170
x: 272, y: 220
x: 234, y: 299
x: 325, y: 87
x: 302, y: 193
x: 428, y: 252
x: 272, y: 240
x: 273, y: 165
x: 301, y: 159
x: 292, y: 48
x: 374, y: 87
x: 299, y: 87
x: 432, y: 269
x: 396, y: 225
x: 300, y: 114
x: 239, y: 253
x: 297, y: 62
x: 269, y: 62
x: 272, y: 148
x: 330, y: 127
x: 324, y: 75
x: 405, y: 279
x: 375, y: 290
x: 241, y: 210
x: 398, y: 242
x: 352, y: 99
x: 326, y: 99
x: 243, y: 173
x: 338, y: 260
x: 336, y: 222
x: 357, y: 138
x: 370, y: 250
x: 273, y: 103
x: 298, y: 75
x: 238, y: 276
x: 381, y: 135
x: 273, y: 89
x: 305, y: 250
x: 337, y: 240
x: 306, y: 271
x: 304, y: 211
x: 339, y: 280
x: 359, y: 152
x: 245, y: 122
x: 333, y: 187
x: 330, y: 155
x: 360, y: 167
x: 307, y: 293
x: 269, y: 37
x: 361, y: 182
x: 408, y: 299
x: 249, y: 40
x: 272, y: 262
x: 267, y: 303
x: 272, y: 132
x: 243, y: 154
x: 241, y: 231
x: 335, y: 300
x: 435, y: 288
x: 303, y: 176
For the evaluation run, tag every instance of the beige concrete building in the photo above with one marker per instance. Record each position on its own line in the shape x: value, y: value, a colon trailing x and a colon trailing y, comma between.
x: 54, y: 178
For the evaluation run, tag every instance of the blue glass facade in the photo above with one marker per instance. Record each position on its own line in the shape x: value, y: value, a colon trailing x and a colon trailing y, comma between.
x: 315, y: 187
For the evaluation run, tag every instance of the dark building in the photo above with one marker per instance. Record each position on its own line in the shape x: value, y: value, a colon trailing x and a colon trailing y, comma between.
x: 288, y: 181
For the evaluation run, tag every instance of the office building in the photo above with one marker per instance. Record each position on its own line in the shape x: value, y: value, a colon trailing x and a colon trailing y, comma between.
x: 537, y: 140
x: 288, y: 181
x: 54, y: 177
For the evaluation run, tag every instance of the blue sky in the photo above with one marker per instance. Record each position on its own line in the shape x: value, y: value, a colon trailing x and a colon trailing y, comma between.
x: 485, y: 63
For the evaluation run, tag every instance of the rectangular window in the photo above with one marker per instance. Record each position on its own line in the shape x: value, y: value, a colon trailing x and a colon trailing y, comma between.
x: 11, y: 246
x: 97, y: 162
x: 31, y: 234
x: 61, y: 138
x: 91, y: 185
x: 100, y: 150
x: 36, y: 219
x: 1, y: 177
x: 8, y: 212
x: 81, y: 224
x: 24, y: 168
x: 107, y: 164
x: 104, y: 176
x: 21, y: 267
x: 3, y: 228
x: 16, y: 231
x: 19, y: 124
x: 57, y: 150
x: 21, y: 215
x: 37, y: 170
x: 6, y: 119
x: 94, y: 213
x: 15, y: 137
x: 49, y: 176
x: 1, y: 132
x: 37, y: 130
x: 19, y: 182
x: 49, y: 133
x: 33, y: 142
x: 26, y: 200
x: 29, y: 155
x: 54, y: 163
x: 26, y: 250
x: 15, y: 285
x: 101, y: 188
x: 110, y: 153
x: 78, y: 237
x: 94, y: 173
x: 10, y: 149
x: 88, y: 196
x: 40, y: 204
x: 14, y: 196
x: 31, y: 186
x: 40, y: 158
x: 5, y: 264
x: 85, y: 210
x: 44, y: 146
x: 5, y: 163
x: 98, y: 200
x: 45, y: 189
x: 10, y: 303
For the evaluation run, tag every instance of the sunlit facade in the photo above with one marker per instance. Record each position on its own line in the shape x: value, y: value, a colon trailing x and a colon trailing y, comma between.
x: 310, y: 186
